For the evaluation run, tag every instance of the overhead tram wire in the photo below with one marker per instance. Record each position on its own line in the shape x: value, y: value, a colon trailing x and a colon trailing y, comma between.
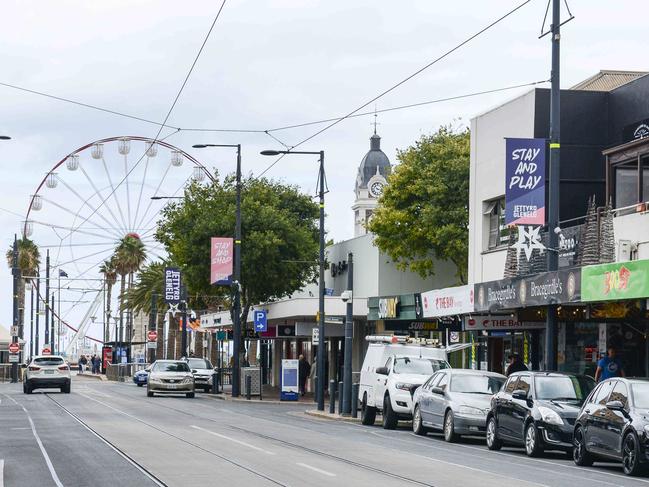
x: 173, y: 105
x: 404, y: 80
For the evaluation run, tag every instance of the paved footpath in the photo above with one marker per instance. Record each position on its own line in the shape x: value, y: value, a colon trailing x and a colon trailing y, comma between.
x: 111, y: 434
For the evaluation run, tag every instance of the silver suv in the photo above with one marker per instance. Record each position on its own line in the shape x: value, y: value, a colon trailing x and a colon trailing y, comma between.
x: 45, y: 371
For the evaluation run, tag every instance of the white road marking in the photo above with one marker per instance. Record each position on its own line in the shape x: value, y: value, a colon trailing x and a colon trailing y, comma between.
x: 25, y: 428
x: 2, y: 473
x: 323, y: 472
x: 242, y: 443
x: 50, y: 467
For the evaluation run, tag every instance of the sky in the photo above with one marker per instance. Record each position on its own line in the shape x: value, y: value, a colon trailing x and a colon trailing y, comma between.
x: 267, y: 64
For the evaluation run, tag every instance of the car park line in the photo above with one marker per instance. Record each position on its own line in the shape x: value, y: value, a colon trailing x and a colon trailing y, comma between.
x: 2, y: 472
x: 315, y: 469
x: 234, y: 440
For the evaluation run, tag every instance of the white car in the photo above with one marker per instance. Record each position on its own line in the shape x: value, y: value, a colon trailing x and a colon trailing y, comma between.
x: 392, y: 370
x: 203, y: 373
x: 47, y: 371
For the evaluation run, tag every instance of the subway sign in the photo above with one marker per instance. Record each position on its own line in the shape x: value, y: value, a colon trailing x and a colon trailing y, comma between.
x: 388, y: 307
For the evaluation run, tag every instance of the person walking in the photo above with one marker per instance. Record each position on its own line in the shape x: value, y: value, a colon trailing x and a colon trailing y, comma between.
x: 609, y: 366
x: 515, y: 364
x: 83, y: 361
x: 304, y: 370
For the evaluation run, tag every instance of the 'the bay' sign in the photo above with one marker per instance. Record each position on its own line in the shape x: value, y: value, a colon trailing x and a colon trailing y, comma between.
x: 525, y: 182
x: 620, y: 280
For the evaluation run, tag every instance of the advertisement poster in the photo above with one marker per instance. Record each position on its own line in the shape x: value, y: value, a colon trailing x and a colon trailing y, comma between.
x: 172, y: 285
x: 525, y: 182
x: 620, y: 280
x: 447, y: 302
x: 221, y: 259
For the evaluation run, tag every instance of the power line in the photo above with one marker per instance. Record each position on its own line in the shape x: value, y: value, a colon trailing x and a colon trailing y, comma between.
x: 407, y: 78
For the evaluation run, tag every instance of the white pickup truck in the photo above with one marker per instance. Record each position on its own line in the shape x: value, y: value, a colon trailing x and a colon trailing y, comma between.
x: 393, y: 368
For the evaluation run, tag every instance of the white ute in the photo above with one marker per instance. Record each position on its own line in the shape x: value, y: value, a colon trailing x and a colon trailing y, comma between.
x: 393, y: 368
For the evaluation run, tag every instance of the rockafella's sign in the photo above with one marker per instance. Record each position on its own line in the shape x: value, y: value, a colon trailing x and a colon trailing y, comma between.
x: 620, y: 280
x: 537, y: 290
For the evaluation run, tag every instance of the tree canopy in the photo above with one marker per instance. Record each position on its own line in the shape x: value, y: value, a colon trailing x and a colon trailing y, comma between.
x: 279, y: 249
x: 423, y: 215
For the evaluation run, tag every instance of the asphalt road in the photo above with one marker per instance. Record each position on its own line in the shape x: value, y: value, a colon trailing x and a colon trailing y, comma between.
x: 108, y: 434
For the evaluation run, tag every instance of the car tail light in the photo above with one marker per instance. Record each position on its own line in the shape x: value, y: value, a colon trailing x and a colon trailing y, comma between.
x: 34, y: 368
x: 63, y: 367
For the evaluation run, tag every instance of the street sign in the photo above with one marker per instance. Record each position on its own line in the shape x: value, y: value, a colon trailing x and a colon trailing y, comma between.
x: 14, y: 347
x: 315, y: 336
x: 261, y: 323
x: 14, y: 331
x: 328, y: 291
x: 151, y: 345
x: 13, y: 358
x: 152, y: 335
x: 46, y: 350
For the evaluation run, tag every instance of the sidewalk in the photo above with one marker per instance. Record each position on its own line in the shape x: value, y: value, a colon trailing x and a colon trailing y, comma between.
x: 332, y: 417
x: 270, y: 395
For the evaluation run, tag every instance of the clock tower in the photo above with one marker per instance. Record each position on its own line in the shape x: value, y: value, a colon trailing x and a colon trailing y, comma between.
x: 371, y: 179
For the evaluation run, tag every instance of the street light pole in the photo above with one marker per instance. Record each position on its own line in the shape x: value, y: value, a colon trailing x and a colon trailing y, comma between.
x: 38, y: 308
x: 31, y: 319
x: 152, y: 325
x: 554, y: 182
x: 320, y: 365
x: 15, y: 270
x: 183, y: 303
x: 47, y: 300
x: 236, y: 318
x: 349, y: 338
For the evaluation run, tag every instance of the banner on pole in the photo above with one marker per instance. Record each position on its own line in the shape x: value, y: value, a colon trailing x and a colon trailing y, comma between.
x: 222, y: 256
x: 172, y: 285
x: 525, y: 182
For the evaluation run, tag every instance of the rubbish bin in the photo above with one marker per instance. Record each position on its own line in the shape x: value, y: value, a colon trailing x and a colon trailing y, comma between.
x: 253, y: 373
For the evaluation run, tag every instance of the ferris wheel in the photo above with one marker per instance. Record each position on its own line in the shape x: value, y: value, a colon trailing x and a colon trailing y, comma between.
x: 85, y: 204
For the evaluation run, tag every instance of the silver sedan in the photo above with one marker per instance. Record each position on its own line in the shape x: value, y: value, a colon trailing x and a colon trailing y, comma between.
x: 170, y: 377
x: 455, y: 401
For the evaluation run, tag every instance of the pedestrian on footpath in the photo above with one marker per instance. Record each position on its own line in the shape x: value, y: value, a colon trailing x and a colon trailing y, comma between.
x: 515, y: 364
x: 609, y: 366
x: 304, y: 370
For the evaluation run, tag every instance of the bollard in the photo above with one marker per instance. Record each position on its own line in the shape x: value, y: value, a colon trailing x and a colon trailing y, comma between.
x: 215, y: 382
x: 248, y: 387
x: 355, y: 388
x: 340, y: 398
x: 332, y: 396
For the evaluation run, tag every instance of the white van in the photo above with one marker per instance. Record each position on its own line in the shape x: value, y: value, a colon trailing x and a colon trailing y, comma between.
x: 393, y: 368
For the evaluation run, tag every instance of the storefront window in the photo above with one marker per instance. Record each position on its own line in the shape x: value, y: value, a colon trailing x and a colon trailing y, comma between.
x: 626, y: 184
x: 498, y: 231
x: 578, y: 348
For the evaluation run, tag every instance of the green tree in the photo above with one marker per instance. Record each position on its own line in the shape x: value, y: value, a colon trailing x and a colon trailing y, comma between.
x: 128, y: 259
x: 279, y: 249
x: 29, y: 258
x: 423, y: 214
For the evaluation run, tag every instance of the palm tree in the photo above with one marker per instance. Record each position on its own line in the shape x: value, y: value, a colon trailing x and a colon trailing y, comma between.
x: 107, y: 269
x: 129, y: 257
x: 29, y: 258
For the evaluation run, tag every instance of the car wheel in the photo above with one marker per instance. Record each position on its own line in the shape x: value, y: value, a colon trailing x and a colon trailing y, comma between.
x: 493, y: 442
x: 449, y: 428
x: 368, y: 413
x: 631, y: 456
x: 580, y: 454
x: 390, y: 419
x: 149, y: 394
x: 140, y: 385
x: 418, y: 427
x: 66, y: 389
x: 532, y: 443
x: 27, y: 389
x: 190, y: 395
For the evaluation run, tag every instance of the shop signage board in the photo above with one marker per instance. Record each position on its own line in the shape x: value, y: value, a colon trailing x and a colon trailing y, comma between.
x: 388, y: 307
x: 559, y: 287
x: 620, y: 280
x: 290, y: 387
x: 410, y: 326
x: 484, y: 322
x: 222, y: 256
x: 525, y: 181
x: 447, y: 302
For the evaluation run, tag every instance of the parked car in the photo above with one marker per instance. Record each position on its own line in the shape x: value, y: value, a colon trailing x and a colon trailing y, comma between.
x: 392, y: 369
x: 613, y: 425
x: 47, y: 371
x: 455, y: 401
x: 170, y: 377
x: 141, y: 377
x: 537, y: 410
x: 203, y: 373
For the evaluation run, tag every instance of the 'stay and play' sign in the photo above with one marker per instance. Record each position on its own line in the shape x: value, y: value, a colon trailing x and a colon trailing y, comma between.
x: 221, y: 258
x: 525, y: 182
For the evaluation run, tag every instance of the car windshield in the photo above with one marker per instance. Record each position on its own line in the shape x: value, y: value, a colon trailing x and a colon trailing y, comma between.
x: 565, y: 387
x: 476, y: 383
x: 419, y: 366
x: 199, y: 363
x: 171, y: 367
x: 641, y: 395
x: 48, y: 361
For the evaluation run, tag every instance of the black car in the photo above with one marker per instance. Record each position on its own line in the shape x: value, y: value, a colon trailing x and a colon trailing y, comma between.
x: 537, y: 410
x: 613, y: 424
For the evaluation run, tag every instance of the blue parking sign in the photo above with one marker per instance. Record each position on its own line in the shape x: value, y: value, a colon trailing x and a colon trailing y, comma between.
x: 261, y: 324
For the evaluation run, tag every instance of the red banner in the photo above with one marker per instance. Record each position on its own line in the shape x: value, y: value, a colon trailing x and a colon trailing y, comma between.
x: 222, y: 256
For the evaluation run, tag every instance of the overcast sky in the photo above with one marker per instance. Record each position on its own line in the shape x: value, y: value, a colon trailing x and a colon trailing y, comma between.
x: 269, y: 64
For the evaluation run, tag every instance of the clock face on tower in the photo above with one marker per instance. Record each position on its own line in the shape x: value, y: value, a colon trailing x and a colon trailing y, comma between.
x: 376, y: 188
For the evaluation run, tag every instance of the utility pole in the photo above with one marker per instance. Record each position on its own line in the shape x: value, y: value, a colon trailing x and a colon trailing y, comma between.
x: 47, y: 300
x: 52, y: 335
x: 183, y: 344
x: 15, y: 270
x: 236, y: 321
x: 349, y: 338
x: 31, y: 318
x: 38, y: 308
x: 152, y: 324
x: 321, y: 294
x: 554, y: 182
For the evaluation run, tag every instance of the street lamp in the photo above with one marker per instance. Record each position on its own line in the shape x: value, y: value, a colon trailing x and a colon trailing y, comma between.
x: 320, y: 366
x: 236, y: 370
x: 5, y: 137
